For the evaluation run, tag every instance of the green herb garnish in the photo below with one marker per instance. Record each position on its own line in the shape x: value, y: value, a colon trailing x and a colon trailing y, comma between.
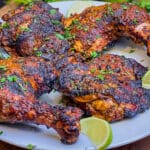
x: 25, y: 29
x: 110, y: 10
x: 135, y: 21
x: 59, y: 36
x: 93, y: 70
x: 68, y: 35
x: 5, y: 25
x: 30, y: 147
x: 98, y: 19
x: 39, y: 53
x: 35, y: 49
x: 53, y: 11
x: 125, y: 7
x: 100, y: 76
x: 21, y: 86
x: 95, y: 54
x: 12, y: 78
x: 132, y: 51
x: 1, y: 132
x: 2, y: 80
x: 47, y: 39
x: 106, y: 72
x: 98, y: 36
x: 55, y: 22
x: 75, y: 21
x: 3, y: 68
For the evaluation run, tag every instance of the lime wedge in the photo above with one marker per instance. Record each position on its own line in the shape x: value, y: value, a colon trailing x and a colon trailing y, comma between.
x: 146, y: 80
x: 78, y: 7
x: 98, y: 130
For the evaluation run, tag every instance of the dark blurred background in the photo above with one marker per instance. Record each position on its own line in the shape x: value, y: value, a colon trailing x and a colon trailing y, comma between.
x: 2, y: 2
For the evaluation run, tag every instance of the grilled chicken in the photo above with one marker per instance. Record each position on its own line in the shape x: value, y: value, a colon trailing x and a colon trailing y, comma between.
x: 108, y: 87
x: 65, y: 120
x: 34, y: 30
x: 22, y: 81
x: 98, y: 26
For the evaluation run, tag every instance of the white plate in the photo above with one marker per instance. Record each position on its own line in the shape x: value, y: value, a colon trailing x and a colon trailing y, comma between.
x: 124, y: 132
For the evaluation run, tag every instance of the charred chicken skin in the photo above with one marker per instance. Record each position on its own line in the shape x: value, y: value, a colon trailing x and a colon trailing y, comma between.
x: 108, y: 87
x: 98, y: 26
x: 34, y: 30
x: 22, y: 80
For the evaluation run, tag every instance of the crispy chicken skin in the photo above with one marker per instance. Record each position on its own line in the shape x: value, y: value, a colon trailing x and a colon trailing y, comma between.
x: 34, y: 30
x: 65, y: 120
x: 108, y: 87
x: 22, y: 80
x: 31, y: 73
x: 98, y: 26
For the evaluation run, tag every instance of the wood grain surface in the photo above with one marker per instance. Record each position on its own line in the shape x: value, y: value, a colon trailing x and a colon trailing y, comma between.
x: 143, y: 144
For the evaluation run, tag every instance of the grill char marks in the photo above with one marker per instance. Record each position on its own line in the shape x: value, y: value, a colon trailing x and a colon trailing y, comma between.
x: 98, y: 26
x: 35, y: 30
x: 108, y: 87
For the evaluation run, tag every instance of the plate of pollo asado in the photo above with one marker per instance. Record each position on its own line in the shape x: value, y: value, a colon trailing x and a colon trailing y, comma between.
x: 94, y: 61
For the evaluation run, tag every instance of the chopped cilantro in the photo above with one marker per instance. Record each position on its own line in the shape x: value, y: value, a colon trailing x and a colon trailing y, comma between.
x: 53, y: 11
x: 95, y: 54
x: 3, y: 79
x: 85, y: 29
x: 135, y: 21
x: 100, y: 76
x: 5, y: 25
x: 93, y: 70
x: 106, y: 72
x: 35, y: 49
x: 110, y: 10
x: 39, y: 53
x: 30, y: 147
x: 59, y: 36
x: 75, y: 21
x: 47, y: 39
x: 98, y: 19
x: 12, y: 78
x: 72, y: 49
x: 21, y: 86
x: 26, y: 29
x: 55, y: 22
x: 98, y: 36
x: 3, y: 68
x: 68, y: 35
x: 1, y: 132
x: 132, y: 51
x: 125, y: 7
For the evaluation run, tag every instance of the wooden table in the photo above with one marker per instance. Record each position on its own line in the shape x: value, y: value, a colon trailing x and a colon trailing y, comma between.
x: 139, y: 145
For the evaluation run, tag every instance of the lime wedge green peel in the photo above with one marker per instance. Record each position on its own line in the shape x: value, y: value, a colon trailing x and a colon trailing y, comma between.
x: 78, y: 7
x: 98, y: 130
x: 146, y: 80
